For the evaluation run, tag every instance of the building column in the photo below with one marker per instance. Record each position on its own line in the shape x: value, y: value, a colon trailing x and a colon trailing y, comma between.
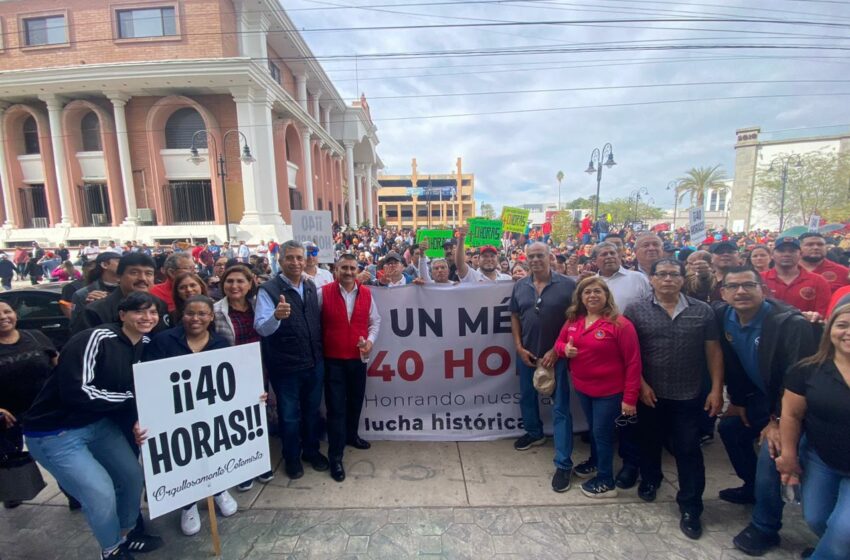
x: 349, y: 162
x: 119, y: 101
x: 57, y: 141
x: 307, y: 150
x: 317, y: 114
x: 358, y: 197
x: 254, y: 117
x: 4, y: 174
x: 370, y: 214
x: 327, y: 118
x: 301, y: 90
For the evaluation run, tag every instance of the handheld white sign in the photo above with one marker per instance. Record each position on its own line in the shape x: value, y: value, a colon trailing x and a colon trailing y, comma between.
x: 206, y: 425
x: 315, y: 226
x: 696, y: 217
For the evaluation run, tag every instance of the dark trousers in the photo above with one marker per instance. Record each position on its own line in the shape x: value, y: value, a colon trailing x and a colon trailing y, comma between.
x: 345, y: 387
x: 676, y: 425
x: 299, y: 394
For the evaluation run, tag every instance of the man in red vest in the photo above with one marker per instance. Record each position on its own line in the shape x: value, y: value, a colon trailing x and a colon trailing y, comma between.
x: 350, y: 324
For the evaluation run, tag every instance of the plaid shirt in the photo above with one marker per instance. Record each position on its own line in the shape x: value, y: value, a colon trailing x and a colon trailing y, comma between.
x: 235, y: 326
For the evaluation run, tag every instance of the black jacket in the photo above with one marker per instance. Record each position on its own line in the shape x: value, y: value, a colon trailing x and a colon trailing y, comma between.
x: 786, y: 338
x: 297, y: 343
x: 105, y: 311
x: 172, y: 342
x: 93, y: 380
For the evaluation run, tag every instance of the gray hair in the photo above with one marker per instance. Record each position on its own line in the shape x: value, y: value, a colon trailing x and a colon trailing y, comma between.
x: 435, y: 261
x: 604, y: 245
x: 289, y: 246
x: 173, y: 261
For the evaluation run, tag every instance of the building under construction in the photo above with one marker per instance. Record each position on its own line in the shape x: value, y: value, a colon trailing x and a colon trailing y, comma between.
x: 426, y: 200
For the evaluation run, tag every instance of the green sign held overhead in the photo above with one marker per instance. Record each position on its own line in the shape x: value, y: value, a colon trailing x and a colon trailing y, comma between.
x: 514, y: 220
x: 484, y: 232
x: 436, y: 238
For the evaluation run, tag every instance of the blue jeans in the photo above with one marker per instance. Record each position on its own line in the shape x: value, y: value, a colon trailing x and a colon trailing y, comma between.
x: 95, y: 465
x: 826, y: 505
x: 601, y: 412
x: 562, y: 419
x: 299, y: 394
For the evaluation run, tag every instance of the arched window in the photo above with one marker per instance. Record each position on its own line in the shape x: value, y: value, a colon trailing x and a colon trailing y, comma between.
x: 90, y: 130
x: 180, y: 128
x: 31, y: 136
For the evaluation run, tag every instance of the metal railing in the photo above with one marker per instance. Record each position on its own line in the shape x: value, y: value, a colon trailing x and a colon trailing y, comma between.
x: 188, y: 203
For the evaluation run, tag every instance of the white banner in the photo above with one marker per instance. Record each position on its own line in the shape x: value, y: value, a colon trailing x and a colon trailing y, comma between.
x: 443, y: 367
x: 696, y: 217
x: 315, y: 226
x: 206, y: 427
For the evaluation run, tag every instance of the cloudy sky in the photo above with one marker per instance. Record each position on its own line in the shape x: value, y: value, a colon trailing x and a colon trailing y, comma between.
x: 521, y: 102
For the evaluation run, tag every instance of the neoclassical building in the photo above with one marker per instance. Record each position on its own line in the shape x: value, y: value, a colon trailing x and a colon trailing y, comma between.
x: 104, y: 103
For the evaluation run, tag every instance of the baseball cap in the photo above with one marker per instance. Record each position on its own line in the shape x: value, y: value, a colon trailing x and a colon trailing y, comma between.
x: 787, y: 241
x: 488, y: 249
x: 392, y: 255
x: 725, y: 246
x: 449, y: 243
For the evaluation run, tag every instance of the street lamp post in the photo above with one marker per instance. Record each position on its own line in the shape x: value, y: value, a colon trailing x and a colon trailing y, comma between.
x: 560, y: 178
x: 674, y: 186
x: 197, y: 159
x: 605, y: 157
x: 796, y: 162
x: 636, y: 194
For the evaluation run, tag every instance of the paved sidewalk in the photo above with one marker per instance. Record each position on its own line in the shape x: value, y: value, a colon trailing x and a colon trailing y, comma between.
x: 434, y: 500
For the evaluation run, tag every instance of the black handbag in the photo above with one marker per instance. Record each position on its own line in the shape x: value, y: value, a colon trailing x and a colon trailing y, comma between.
x: 20, y: 478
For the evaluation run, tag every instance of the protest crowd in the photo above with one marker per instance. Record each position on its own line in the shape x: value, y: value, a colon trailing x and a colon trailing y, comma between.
x: 743, y: 338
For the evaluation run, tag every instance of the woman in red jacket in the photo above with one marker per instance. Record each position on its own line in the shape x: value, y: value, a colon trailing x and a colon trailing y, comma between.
x: 604, y: 355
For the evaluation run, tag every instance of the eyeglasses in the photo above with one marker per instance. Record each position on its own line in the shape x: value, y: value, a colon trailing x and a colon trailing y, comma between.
x: 623, y: 420
x: 673, y: 275
x: 537, y: 304
x: 748, y: 286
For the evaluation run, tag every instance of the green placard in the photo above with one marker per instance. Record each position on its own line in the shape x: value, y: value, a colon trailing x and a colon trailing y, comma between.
x: 484, y: 232
x: 436, y: 238
x: 514, y: 220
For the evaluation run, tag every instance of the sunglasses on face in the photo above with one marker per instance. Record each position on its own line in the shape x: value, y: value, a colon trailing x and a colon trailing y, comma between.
x: 312, y: 252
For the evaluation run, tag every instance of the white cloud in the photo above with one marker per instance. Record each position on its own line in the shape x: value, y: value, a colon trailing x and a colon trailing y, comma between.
x: 515, y: 156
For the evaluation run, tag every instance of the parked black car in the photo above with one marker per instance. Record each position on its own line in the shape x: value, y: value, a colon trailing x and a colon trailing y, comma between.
x: 38, y: 309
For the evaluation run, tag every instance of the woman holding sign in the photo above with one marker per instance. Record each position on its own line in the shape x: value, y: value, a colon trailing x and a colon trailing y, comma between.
x: 75, y: 429
x: 192, y: 335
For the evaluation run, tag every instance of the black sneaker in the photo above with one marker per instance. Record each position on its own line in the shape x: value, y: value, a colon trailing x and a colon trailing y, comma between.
x: 294, y: 469
x: 245, y: 486
x: 141, y: 543
x: 755, y: 542
x: 741, y: 495
x: 118, y: 554
x: 266, y: 477
x: 561, y: 480
x: 586, y: 469
x: 598, y: 488
x: 690, y: 526
x: 647, y: 491
x: 528, y: 441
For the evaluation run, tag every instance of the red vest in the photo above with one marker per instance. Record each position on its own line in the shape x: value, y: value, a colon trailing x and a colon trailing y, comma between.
x: 339, y: 336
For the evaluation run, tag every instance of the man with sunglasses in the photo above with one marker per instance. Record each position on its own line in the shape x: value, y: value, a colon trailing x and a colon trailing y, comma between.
x: 679, y: 345
x: 762, y: 339
x: 312, y: 270
x: 538, y: 311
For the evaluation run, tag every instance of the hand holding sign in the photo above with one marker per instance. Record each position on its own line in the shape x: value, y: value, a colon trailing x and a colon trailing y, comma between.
x: 282, y: 310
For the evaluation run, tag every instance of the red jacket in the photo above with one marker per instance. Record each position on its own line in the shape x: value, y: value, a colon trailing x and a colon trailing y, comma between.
x: 165, y: 292
x: 808, y: 292
x: 608, y: 359
x: 339, y: 335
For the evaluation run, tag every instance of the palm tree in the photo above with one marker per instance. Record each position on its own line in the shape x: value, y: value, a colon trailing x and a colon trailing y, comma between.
x: 699, y: 180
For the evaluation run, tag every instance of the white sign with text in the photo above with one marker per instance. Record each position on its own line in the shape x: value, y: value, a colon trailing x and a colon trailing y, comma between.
x: 696, y: 217
x: 207, y: 429
x: 315, y: 226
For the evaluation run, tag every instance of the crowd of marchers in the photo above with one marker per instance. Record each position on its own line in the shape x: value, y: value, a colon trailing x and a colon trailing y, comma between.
x: 666, y: 345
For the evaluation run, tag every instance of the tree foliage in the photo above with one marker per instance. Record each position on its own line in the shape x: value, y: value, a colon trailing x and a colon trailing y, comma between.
x: 487, y: 211
x: 563, y: 227
x: 819, y: 186
x: 699, y: 180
